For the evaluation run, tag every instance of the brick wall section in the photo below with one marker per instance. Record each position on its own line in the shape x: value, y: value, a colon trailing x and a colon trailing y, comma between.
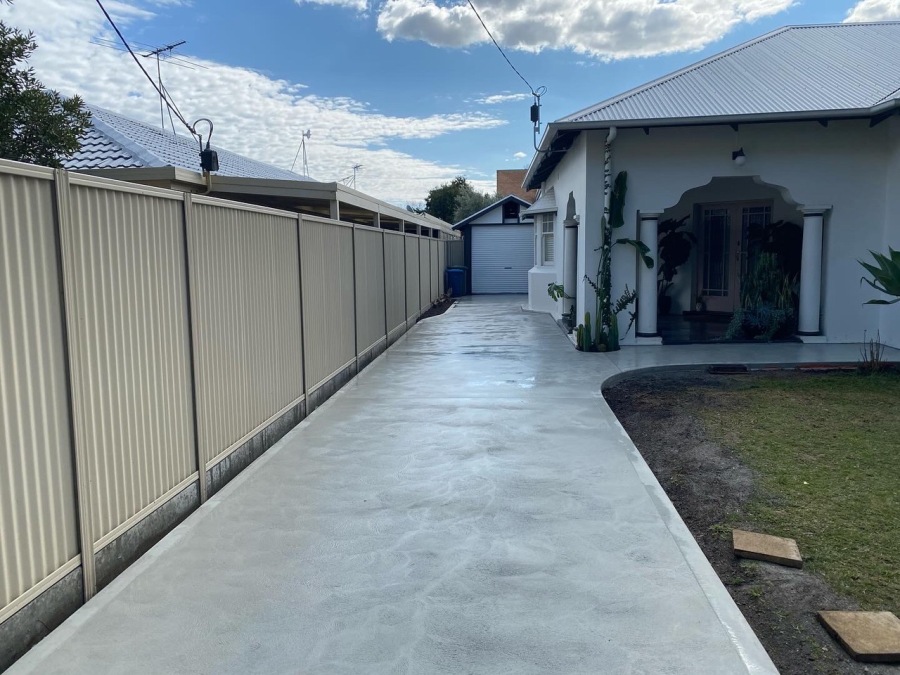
x: 509, y: 182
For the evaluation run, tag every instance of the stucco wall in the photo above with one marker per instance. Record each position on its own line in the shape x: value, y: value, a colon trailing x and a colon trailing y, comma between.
x: 890, y: 315
x: 569, y: 176
x: 845, y: 165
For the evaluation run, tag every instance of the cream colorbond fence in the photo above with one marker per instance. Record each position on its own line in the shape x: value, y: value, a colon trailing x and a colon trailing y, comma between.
x: 146, y: 335
x: 248, y: 347
x: 38, y: 517
x: 371, y: 328
x: 395, y: 282
x: 424, y: 274
x: 328, y: 299
x: 412, y: 277
x: 125, y: 289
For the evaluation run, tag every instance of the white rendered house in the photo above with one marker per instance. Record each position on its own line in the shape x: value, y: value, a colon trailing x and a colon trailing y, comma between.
x: 799, y: 125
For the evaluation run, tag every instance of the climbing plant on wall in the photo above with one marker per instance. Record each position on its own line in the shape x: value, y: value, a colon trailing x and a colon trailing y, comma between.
x: 606, y: 334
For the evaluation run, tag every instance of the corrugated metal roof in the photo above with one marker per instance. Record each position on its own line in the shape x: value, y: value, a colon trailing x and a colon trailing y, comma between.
x: 546, y: 203
x: 115, y: 141
x: 791, y: 70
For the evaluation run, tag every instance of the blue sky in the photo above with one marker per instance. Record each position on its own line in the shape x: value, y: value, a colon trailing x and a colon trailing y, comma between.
x: 401, y: 87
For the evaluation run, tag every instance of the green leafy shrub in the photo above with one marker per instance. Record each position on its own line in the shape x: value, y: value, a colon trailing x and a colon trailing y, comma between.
x: 768, y: 299
x: 885, y: 277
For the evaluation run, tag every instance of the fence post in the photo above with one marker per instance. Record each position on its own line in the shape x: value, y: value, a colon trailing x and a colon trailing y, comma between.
x: 186, y: 223
x: 302, y: 305
x: 355, y: 301
x: 384, y: 267
x: 83, y: 496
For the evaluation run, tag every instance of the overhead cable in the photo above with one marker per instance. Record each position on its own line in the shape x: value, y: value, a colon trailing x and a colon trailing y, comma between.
x: 146, y: 74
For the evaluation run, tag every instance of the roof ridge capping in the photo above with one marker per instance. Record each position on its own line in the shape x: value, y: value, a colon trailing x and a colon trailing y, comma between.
x: 125, y: 142
x: 669, y: 77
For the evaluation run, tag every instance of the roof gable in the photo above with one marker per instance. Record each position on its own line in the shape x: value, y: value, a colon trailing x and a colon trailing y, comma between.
x: 115, y: 141
x: 793, y: 69
x: 498, y: 204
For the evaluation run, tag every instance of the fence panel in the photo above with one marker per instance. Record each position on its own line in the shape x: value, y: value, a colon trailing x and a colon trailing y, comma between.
x: 37, y: 487
x: 437, y: 274
x: 456, y: 253
x: 369, y: 261
x: 412, y: 277
x: 395, y: 279
x: 245, y: 304
x: 424, y: 274
x: 326, y: 250
x: 128, y: 329
x: 442, y: 263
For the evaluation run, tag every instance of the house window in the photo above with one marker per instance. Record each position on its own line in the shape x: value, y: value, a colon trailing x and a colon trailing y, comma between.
x: 547, y: 223
x: 511, y: 212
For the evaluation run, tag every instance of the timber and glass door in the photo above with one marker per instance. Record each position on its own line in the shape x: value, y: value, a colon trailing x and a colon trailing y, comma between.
x: 724, y: 232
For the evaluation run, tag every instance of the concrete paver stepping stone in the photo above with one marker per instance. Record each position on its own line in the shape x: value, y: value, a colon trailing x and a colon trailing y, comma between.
x: 779, y: 550
x: 867, y: 636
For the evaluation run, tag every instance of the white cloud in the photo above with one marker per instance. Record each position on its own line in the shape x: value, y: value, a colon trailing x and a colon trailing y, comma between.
x: 520, y: 155
x: 358, y: 5
x: 874, y: 10
x: 609, y: 29
x: 254, y: 115
x: 494, y: 99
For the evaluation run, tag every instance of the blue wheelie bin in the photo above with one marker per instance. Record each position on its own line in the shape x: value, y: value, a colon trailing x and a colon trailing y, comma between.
x: 456, y: 281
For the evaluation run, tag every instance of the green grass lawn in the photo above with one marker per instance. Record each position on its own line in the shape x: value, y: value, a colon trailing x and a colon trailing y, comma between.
x: 827, y: 452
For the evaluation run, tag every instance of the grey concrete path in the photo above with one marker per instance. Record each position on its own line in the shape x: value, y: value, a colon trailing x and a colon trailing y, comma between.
x: 468, y: 504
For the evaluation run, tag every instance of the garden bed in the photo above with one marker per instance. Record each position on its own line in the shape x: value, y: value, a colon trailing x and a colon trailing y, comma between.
x: 812, y: 456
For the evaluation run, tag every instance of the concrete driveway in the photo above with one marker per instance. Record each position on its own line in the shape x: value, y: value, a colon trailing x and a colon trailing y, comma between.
x: 468, y: 504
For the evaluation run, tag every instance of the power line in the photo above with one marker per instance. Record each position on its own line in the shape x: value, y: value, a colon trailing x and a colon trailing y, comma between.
x: 502, y: 53
x: 146, y: 74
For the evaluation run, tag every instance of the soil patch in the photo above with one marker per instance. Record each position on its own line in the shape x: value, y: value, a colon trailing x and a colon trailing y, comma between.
x: 437, y: 309
x: 711, y: 488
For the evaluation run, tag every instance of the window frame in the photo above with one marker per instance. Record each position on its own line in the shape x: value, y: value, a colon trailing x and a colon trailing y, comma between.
x: 545, y: 220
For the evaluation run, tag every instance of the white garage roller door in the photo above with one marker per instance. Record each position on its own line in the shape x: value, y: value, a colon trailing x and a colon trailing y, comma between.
x: 501, y: 258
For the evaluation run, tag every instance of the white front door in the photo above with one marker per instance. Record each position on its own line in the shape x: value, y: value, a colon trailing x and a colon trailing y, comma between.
x: 501, y: 258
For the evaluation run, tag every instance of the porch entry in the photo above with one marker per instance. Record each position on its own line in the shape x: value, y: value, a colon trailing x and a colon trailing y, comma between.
x: 724, y: 236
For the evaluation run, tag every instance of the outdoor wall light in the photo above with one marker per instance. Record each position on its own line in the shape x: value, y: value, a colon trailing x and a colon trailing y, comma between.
x: 739, y: 157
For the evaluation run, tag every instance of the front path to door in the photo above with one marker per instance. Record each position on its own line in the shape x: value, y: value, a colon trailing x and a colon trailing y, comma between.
x: 468, y: 504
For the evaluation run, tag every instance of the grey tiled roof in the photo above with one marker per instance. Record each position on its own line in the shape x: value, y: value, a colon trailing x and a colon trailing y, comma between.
x: 791, y: 70
x: 115, y: 141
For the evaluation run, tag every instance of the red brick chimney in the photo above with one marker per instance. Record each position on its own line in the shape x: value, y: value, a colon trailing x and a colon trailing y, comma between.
x: 509, y: 182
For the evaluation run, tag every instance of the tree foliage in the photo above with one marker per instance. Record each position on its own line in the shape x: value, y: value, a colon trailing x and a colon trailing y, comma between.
x: 36, y: 125
x: 453, y: 201
x: 472, y: 202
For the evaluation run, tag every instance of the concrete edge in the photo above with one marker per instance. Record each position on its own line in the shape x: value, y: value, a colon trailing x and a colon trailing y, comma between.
x: 739, y: 632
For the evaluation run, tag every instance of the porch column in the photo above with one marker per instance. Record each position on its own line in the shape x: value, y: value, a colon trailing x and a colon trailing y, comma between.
x: 811, y: 271
x: 647, y: 293
x: 570, y: 262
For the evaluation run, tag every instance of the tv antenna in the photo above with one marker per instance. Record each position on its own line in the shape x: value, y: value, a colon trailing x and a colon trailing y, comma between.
x: 302, y: 149
x: 156, y: 52
x: 356, y: 167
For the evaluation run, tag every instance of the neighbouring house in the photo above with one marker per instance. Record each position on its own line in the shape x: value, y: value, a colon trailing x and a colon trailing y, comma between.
x: 796, y: 131
x: 509, y: 182
x: 499, y: 247
x: 118, y: 147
